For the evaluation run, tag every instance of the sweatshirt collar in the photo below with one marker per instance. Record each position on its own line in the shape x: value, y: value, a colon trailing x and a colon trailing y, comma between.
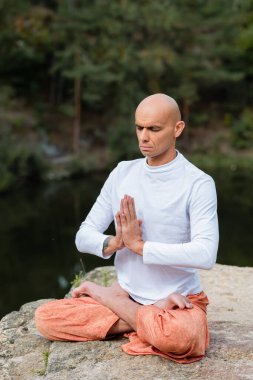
x: 166, y: 167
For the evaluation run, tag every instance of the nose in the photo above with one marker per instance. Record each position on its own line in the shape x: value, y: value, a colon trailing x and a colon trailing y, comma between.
x: 144, y: 135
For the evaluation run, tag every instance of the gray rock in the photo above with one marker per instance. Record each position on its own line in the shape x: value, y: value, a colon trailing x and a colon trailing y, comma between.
x: 25, y: 355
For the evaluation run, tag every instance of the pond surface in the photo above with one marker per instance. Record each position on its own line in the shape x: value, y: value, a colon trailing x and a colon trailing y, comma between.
x: 38, y: 227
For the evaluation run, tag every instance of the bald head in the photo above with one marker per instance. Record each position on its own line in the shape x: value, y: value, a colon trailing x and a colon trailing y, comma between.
x: 159, y: 107
x: 158, y: 125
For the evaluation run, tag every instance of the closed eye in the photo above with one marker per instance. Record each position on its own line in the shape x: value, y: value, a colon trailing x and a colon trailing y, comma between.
x: 153, y: 129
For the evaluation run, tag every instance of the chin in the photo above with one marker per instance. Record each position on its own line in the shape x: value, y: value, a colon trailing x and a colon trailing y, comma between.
x: 146, y: 154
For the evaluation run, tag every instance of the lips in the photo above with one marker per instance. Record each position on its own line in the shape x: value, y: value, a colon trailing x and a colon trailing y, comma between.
x: 145, y: 148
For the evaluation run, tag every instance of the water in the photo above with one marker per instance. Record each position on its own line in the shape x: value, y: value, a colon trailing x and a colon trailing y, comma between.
x: 38, y: 226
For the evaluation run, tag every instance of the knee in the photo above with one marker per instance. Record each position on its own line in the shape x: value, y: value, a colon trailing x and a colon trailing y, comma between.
x: 168, y: 331
x: 177, y: 339
x: 42, y: 313
x: 44, y: 321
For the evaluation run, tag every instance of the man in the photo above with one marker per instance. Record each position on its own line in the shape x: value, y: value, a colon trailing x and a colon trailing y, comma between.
x: 164, y: 210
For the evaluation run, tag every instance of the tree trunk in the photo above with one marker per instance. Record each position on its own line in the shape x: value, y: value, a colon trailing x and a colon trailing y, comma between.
x: 77, y: 120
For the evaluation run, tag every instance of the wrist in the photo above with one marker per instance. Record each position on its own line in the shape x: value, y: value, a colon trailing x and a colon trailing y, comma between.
x: 108, y: 248
x: 137, y: 247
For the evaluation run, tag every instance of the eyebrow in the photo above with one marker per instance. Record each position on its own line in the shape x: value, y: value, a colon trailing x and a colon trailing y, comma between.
x: 151, y: 126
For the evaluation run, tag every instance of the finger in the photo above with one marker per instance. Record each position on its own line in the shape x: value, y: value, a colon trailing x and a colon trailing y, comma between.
x: 121, y: 206
x: 75, y: 293
x: 169, y: 305
x: 178, y: 301
x: 126, y: 209
x: 123, y: 219
x: 180, y: 304
x: 122, y: 212
x: 188, y: 303
x: 131, y: 207
x: 118, y: 221
x: 118, y: 224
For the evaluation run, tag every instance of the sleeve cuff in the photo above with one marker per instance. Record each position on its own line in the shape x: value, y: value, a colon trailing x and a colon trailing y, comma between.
x: 146, y: 253
x: 100, y: 248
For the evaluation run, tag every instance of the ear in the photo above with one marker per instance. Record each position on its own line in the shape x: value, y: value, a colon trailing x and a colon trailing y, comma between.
x: 179, y: 127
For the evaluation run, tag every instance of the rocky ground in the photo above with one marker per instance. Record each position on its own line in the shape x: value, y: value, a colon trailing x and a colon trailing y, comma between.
x: 25, y: 355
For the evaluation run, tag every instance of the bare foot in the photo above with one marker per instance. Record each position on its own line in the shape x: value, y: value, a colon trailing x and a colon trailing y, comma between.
x: 98, y: 292
x: 174, y: 301
x: 103, y: 294
x: 116, y: 299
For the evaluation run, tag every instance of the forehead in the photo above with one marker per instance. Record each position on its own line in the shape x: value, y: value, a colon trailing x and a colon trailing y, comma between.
x: 148, y: 115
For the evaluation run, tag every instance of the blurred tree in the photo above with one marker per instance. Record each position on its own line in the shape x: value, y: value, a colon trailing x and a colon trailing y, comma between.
x: 26, y: 43
x: 242, y: 130
x: 183, y: 49
x: 81, y: 55
x: 245, y: 45
x: 105, y: 56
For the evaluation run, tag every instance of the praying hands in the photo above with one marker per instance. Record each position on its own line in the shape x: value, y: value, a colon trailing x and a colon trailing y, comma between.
x: 129, y: 232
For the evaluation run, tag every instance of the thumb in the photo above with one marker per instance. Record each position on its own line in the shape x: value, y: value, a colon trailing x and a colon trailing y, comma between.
x: 75, y: 293
x: 170, y: 305
x: 118, y: 220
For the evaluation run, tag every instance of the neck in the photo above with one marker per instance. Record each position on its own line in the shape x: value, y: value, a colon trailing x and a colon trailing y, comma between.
x: 162, y: 159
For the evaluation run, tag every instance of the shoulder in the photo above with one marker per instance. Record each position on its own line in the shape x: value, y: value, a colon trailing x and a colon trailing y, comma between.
x: 200, y: 184
x: 194, y: 174
x: 122, y: 169
x: 125, y: 167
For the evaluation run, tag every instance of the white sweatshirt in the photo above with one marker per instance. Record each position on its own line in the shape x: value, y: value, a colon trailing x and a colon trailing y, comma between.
x: 177, y: 204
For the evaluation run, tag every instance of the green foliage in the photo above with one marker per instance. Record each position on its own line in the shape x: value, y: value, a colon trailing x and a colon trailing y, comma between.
x: 224, y: 163
x: 46, y: 358
x: 105, y: 278
x: 84, y: 164
x: 67, y: 109
x: 242, y: 130
x: 19, y: 164
x: 77, y: 279
x: 25, y: 163
x: 6, y: 178
x: 20, y: 161
x: 122, y: 141
x: 6, y: 95
x: 118, y: 52
x: 153, y: 46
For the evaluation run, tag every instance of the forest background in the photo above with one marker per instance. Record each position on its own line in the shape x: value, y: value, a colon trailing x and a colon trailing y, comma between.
x: 73, y: 71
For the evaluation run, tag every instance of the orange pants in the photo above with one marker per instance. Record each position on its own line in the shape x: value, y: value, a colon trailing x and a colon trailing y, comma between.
x: 178, y: 335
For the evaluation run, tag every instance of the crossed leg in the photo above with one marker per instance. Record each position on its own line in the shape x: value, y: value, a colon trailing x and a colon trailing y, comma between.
x: 180, y: 334
x: 88, y: 318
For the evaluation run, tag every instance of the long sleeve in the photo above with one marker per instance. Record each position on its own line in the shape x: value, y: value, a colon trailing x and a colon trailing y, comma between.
x: 90, y: 236
x: 201, y: 251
